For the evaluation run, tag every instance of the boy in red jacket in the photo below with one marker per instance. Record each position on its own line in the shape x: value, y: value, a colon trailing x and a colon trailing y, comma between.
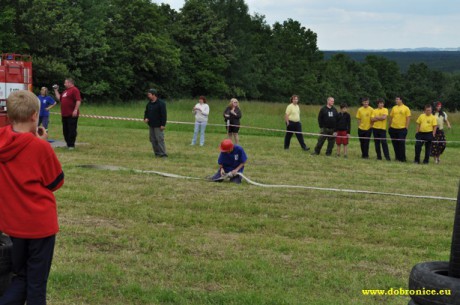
x: 29, y: 173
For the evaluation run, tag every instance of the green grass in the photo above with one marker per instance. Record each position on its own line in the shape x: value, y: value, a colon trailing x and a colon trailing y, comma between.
x: 130, y: 238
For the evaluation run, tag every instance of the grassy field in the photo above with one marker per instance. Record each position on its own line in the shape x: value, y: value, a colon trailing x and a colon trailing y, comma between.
x: 130, y: 238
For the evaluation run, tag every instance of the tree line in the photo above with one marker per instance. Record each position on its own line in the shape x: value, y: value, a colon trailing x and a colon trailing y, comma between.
x: 116, y: 50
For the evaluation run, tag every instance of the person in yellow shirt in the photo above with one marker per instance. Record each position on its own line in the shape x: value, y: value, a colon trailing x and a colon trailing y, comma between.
x: 399, y: 123
x: 293, y: 125
x: 364, y: 126
x: 379, y: 129
x: 426, y: 130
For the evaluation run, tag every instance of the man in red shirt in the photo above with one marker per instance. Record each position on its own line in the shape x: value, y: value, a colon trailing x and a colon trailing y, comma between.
x: 70, y: 110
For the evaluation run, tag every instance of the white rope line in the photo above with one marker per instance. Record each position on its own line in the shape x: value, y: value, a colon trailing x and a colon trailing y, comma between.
x: 104, y: 117
x: 169, y: 175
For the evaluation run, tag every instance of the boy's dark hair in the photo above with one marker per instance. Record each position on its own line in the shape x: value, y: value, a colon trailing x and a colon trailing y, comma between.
x: 380, y: 100
x: 363, y: 99
x: 427, y: 106
x: 343, y: 105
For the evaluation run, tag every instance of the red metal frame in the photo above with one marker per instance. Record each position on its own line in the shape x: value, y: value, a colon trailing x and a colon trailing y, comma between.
x: 15, y: 69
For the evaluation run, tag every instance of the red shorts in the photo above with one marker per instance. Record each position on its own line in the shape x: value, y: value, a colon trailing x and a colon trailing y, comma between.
x: 341, y: 137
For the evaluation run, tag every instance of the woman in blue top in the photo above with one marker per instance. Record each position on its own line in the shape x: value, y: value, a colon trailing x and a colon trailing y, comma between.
x: 46, y: 103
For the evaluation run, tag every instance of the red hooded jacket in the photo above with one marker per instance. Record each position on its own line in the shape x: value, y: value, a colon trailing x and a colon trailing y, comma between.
x: 29, y: 173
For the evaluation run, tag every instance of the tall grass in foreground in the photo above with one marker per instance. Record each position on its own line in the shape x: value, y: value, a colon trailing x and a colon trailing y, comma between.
x: 129, y: 238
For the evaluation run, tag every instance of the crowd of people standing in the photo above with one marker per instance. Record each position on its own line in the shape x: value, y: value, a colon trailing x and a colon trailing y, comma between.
x: 335, y: 127
x: 429, y: 129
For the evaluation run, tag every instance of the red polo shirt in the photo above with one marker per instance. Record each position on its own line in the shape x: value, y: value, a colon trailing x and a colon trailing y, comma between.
x: 69, y: 99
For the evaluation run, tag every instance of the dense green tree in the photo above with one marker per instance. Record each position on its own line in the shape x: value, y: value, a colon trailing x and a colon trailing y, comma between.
x: 205, y: 51
x: 248, y: 35
x: 388, y: 74
x: 422, y: 86
x: 142, y: 53
x: 451, y: 93
x: 292, y: 57
x: 9, y: 41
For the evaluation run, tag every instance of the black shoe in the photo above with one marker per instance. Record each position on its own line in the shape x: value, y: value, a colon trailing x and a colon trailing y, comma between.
x: 314, y: 153
x: 163, y: 156
x: 306, y: 148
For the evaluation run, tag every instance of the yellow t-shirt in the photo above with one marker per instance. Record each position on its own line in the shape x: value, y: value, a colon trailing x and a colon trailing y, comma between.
x: 293, y: 111
x: 440, y: 120
x: 364, y: 114
x: 380, y: 124
x: 399, y: 115
x: 426, y: 122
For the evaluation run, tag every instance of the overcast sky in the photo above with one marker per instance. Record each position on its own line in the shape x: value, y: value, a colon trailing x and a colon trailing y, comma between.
x: 366, y: 24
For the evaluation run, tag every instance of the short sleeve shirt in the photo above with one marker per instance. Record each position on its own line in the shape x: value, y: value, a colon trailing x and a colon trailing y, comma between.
x: 293, y: 112
x: 427, y: 122
x: 233, y: 159
x: 69, y: 99
x: 380, y: 124
x: 364, y: 114
x: 399, y: 114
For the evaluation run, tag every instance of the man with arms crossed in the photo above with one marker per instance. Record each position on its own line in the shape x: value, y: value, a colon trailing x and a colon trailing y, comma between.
x: 379, y: 117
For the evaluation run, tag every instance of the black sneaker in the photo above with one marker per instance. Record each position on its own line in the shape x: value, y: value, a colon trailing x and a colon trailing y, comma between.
x: 306, y: 149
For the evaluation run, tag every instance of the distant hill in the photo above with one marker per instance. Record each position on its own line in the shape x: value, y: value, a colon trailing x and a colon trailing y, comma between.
x: 445, y: 61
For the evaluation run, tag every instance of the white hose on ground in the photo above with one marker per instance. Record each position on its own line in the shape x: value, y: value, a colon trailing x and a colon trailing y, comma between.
x: 169, y: 175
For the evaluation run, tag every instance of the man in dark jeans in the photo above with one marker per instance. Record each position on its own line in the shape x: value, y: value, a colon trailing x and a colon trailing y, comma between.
x: 399, y: 123
x: 379, y: 117
x: 425, y: 132
x: 70, y: 110
x: 364, y: 126
x: 327, y: 120
x: 293, y: 125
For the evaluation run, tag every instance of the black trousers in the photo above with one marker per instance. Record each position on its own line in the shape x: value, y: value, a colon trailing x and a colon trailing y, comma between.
x: 294, y: 127
x: 31, y: 267
x: 381, y: 134
x: 364, y: 140
x: 69, y: 129
x: 423, y: 138
x: 327, y: 132
x: 398, y: 138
